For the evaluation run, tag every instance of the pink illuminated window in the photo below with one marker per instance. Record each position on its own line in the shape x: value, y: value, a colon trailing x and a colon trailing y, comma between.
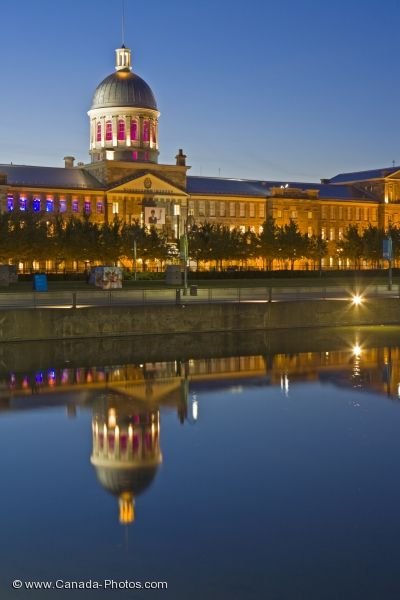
x: 98, y: 134
x: 87, y: 207
x: 147, y: 155
x: 146, y: 131
x: 134, y: 155
x: 134, y: 130
x: 75, y: 205
x: 153, y: 134
x: 108, y: 131
x: 121, y: 130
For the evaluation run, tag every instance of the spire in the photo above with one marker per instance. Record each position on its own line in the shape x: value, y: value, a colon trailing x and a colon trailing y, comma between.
x: 123, y: 60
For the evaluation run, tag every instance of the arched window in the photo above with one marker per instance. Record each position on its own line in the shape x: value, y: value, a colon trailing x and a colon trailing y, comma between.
x: 153, y: 134
x: 145, y: 131
x: 98, y: 132
x: 121, y: 130
x: 134, y: 130
x: 108, y: 131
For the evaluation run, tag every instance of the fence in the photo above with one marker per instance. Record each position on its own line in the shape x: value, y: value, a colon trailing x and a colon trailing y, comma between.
x: 193, y: 295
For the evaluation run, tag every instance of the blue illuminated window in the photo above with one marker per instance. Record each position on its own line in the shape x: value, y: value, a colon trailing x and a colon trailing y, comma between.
x: 100, y: 206
x: 49, y: 205
x: 22, y: 203
x: 36, y: 204
x: 87, y: 207
x: 63, y: 205
x: 10, y: 202
x: 75, y: 205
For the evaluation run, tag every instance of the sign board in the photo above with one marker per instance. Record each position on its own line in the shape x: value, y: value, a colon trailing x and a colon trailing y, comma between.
x: 388, y: 248
x: 107, y: 278
x: 154, y: 216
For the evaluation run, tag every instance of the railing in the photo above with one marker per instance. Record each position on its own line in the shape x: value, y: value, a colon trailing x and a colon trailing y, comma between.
x: 193, y: 295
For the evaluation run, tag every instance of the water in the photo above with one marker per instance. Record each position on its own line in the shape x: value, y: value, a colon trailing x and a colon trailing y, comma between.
x: 249, y: 476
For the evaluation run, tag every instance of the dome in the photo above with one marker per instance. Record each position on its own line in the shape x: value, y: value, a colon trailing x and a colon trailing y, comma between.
x: 124, y: 88
x: 117, y: 481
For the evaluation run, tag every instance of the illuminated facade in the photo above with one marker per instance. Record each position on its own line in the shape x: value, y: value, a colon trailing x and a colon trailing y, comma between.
x: 124, y: 177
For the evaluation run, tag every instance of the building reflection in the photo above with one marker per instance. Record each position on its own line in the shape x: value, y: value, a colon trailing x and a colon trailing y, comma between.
x: 126, y: 449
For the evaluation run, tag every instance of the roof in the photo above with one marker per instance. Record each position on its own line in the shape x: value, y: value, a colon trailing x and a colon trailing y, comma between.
x: 55, y: 177
x: 123, y: 88
x: 364, y: 175
x: 247, y: 187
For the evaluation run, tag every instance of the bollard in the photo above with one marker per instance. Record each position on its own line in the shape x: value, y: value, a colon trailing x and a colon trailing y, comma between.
x: 73, y: 300
x: 178, y: 296
x: 269, y: 294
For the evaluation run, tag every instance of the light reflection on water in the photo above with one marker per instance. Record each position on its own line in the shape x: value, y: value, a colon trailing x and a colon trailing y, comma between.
x: 270, y: 476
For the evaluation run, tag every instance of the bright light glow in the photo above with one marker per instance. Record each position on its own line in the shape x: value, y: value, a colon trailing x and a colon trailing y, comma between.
x: 356, y: 299
x: 357, y: 350
x: 195, y: 410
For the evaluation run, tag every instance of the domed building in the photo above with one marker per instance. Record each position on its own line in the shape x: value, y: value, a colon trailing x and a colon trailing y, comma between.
x: 124, y: 116
x: 124, y: 179
x: 126, y: 450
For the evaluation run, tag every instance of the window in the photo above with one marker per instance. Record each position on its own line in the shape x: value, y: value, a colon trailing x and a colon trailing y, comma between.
x: 309, y: 231
x: 242, y: 228
x: 242, y: 210
x: 87, y: 207
x: 75, y: 205
x: 134, y: 155
x: 332, y: 212
x: 374, y: 214
x: 115, y: 208
x: 323, y: 212
x: 278, y: 213
x: 121, y: 130
x: 323, y: 233
x: 293, y: 214
x: 252, y: 212
x: 349, y: 213
x: 332, y: 234
x: 146, y: 155
x: 340, y: 233
x: 62, y: 204
x: 145, y: 131
x: 98, y: 132
x: 212, y: 208
x: 108, y: 131
x: 357, y: 213
x: 134, y: 130
x: 222, y: 209
x: 10, y: 202
x: 232, y: 211
x: 309, y: 214
x: 153, y: 134
x: 49, y: 204
x: 340, y: 212
x: 100, y: 207
x: 261, y: 211
x: 365, y: 214
x: 202, y: 208
x: 22, y: 202
x: 191, y: 208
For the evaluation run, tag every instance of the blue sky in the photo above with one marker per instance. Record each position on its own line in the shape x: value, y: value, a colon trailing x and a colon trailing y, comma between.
x: 293, y: 90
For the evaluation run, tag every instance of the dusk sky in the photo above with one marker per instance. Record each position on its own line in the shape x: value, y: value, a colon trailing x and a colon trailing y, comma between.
x: 292, y: 90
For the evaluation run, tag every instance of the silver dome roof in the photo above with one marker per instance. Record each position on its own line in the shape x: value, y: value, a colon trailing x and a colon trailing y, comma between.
x: 124, y: 88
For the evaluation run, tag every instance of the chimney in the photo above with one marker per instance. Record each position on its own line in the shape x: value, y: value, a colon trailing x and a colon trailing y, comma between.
x: 180, y: 158
x: 69, y: 161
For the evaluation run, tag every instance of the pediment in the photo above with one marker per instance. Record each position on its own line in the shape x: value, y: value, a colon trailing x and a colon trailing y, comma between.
x: 148, y: 183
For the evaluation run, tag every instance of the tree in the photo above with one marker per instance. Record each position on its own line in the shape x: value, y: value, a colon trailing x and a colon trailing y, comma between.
x: 268, y: 244
x: 317, y: 249
x: 352, y: 245
x: 372, y: 238
x: 292, y: 244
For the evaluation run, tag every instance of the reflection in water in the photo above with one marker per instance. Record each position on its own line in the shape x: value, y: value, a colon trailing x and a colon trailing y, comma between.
x: 126, y: 449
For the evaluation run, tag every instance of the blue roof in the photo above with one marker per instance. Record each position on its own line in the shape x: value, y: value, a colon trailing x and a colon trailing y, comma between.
x: 54, y: 177
x: 364, y: 175
x: 247, y: 187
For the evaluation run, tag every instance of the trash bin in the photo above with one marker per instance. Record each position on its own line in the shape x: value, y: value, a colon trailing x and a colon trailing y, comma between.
x: 193, y: 290
x: 40, y: 282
